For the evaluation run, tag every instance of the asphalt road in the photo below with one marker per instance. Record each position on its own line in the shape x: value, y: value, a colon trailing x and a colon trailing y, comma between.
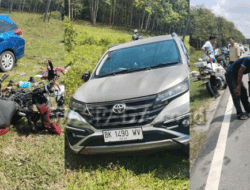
x: 224, y: 161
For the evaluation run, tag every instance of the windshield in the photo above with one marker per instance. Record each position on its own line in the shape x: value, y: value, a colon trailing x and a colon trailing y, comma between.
x: 138, y: 58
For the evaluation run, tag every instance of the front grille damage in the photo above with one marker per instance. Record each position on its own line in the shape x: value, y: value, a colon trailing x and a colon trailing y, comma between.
x: 139, y: 111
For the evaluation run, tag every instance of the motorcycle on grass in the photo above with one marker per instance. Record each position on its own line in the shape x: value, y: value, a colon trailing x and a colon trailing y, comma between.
x: 212, y: 74
x: 18, y: 103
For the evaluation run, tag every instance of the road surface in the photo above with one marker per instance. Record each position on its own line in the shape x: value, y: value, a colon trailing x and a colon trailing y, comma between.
x: 224, y: 161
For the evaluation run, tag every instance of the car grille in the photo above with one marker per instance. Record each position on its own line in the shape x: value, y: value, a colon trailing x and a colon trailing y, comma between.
x: 138, y: 112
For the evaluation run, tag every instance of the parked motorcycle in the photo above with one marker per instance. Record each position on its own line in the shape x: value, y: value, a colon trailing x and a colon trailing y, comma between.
x: 225, y: 51
x: 222, y: 60
x: 212, y: 74
x: 136, y: 35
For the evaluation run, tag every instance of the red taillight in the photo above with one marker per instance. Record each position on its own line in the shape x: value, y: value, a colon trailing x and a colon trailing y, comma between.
x: 219, y: 59
x: 18, y: 32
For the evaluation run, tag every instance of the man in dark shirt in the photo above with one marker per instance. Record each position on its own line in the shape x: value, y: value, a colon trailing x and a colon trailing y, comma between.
x: 237, y: 89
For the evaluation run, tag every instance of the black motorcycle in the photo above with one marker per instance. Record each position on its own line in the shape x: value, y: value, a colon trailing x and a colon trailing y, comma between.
x: 222, y: 60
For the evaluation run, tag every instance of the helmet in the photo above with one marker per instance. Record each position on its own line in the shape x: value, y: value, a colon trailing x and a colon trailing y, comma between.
x: 135, y: 30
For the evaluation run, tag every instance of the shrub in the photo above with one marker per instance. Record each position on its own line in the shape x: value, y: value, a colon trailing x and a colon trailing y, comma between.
x: 121, y: 40
x: 104, y: 41
x: 69, y: 35
x: 192, y: 49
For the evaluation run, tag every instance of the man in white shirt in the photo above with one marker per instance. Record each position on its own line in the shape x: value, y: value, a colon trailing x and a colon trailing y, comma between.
x: 208, y: 46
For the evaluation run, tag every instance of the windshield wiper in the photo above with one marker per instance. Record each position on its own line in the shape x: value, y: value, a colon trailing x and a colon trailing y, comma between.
x: 124, y: 71
x: 165, y: 64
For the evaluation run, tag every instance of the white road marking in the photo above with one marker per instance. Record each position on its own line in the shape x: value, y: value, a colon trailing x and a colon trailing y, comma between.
x: 213, y: 179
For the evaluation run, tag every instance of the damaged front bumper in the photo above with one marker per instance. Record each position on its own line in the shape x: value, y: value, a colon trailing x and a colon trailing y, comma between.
x: 170, y: 129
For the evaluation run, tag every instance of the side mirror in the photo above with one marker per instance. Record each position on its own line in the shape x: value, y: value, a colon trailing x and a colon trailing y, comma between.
x: 86, y: 76
x: 200, y: 59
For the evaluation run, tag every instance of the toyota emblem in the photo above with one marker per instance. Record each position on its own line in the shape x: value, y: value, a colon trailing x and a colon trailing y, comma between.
x: 119, y: 108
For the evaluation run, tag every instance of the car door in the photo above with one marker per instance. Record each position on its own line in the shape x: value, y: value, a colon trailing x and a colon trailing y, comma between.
x: 8, y: 37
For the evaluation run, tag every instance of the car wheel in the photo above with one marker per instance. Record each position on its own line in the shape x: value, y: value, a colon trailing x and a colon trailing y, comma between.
x: 7, y: 61
x: 186, y: 150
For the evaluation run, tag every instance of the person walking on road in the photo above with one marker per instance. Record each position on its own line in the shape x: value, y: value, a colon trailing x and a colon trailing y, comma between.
x: 208, y: 46
x: 234, y: 75
x: 234, y: 51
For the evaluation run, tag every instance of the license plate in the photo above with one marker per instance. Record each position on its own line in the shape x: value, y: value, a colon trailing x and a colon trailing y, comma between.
x: 122, y: 135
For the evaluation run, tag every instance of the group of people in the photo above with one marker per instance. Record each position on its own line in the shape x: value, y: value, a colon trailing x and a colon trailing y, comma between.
x: 234, y: 74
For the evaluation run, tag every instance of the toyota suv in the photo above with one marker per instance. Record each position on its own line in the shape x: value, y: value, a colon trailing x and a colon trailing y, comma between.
x: 136, y: 99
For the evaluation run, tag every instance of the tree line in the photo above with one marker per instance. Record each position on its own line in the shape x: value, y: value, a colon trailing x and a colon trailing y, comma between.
x: 204, y: 23
x: 159, y: 16
x: 35, y: 6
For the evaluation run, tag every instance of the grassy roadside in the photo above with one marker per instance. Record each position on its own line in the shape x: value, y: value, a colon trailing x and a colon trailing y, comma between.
x: 159, y: 170
x: 199, y: 100
x: 29, y: 160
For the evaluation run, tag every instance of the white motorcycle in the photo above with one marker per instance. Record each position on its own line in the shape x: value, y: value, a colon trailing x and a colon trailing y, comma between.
x: 212, y: 74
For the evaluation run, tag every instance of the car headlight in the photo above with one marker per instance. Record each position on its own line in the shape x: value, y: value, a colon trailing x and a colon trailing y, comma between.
x: 165, y: 96
x: 79, y: 107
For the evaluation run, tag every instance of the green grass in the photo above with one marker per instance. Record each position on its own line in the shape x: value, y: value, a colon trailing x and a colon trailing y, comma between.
x: 199, y: 96
x: 186, y: 42
x: 197, y: 140
x: 159, y: 170
x: 34, y: 160
x: 199, y: 100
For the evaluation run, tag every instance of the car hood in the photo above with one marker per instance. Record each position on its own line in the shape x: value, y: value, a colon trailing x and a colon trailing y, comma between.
x: 131, y: 85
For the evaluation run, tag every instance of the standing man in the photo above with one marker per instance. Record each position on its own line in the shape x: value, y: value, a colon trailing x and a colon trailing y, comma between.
x: 237, y: 89
x: 208, y: 46
x: 234, y: 51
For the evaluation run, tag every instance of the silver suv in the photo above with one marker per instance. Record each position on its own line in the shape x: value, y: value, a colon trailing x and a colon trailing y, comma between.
x: 136, y: 99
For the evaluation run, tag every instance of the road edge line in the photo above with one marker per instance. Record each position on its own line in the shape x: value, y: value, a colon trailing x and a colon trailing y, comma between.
x: 217, y: 161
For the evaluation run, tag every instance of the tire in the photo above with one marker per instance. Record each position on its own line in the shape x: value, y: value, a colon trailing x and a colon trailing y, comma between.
x: 225, y: 86
x: 186, y: 150
x: 15, y: 119
x: 7, y: 61
x: 212, y: 88
x: 224, y: 64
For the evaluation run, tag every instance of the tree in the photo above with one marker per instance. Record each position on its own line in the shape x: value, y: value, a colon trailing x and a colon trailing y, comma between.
x: 187, y: 24
x: 204, y: 23
x: 46, y: 11
x: 159, y: 16
x: 93, y: 6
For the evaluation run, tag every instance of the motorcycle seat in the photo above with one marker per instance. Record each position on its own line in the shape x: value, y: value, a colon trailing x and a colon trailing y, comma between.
x: 7, y: 110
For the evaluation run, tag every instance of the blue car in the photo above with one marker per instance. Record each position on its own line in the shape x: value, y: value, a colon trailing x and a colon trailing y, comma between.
x: 12, y: 43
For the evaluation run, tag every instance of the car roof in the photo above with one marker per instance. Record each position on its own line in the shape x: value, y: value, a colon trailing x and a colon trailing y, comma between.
x: 142, y: 42
x: 3, y: 16
x: 6, y: 18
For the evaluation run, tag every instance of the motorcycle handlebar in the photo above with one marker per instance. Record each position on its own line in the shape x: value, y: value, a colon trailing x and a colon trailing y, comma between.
x: 5, y: 76
x: 50, y: 64
x: 67, y: 65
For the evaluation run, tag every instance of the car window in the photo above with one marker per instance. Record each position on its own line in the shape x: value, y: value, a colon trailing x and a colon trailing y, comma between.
x: 6, y: 27
x: 137, y: 57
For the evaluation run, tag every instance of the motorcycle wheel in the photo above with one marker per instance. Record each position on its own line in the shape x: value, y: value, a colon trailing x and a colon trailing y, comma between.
x: 211, y: 86
x: 15, y: 119
x: 225, y: 65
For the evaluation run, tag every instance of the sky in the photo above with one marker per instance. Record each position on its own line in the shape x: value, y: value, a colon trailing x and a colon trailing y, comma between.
x: 236, y: 11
